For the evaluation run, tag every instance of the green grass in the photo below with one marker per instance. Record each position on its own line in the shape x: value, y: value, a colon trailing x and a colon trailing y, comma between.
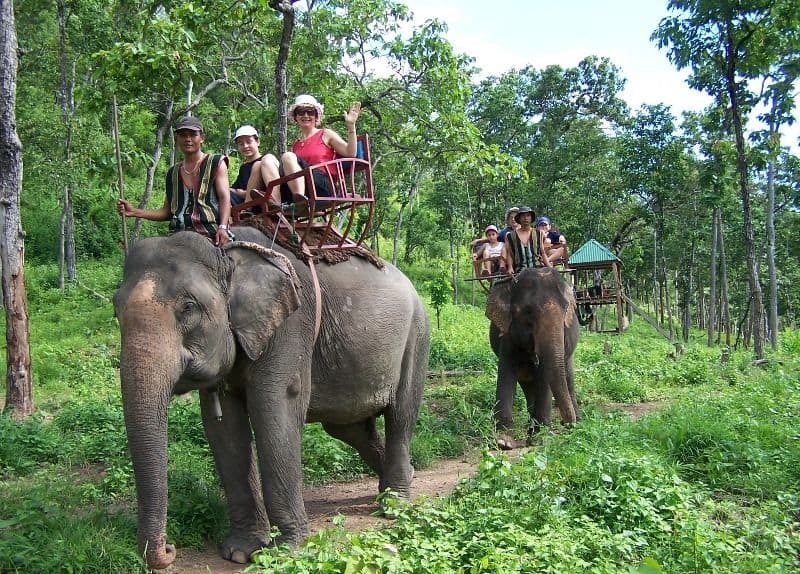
x: 708, y: 483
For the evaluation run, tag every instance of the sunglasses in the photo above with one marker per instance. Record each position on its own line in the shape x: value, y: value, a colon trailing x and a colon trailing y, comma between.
x: 305, y: 112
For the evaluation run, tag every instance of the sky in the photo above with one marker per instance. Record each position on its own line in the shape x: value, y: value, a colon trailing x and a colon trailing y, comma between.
x: 517, y: 33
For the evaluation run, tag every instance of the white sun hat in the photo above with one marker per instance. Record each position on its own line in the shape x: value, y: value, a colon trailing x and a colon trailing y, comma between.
x: 245, y: 130
x: 304, y: 100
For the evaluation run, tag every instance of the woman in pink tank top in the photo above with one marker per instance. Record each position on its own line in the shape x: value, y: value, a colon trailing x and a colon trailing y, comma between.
x: 315, y: 145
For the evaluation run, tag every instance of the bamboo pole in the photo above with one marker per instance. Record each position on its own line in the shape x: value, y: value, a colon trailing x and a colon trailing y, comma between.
x: 120, y: 180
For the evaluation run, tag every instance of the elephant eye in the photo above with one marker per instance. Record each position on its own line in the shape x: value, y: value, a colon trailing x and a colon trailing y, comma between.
x: 188, y: 307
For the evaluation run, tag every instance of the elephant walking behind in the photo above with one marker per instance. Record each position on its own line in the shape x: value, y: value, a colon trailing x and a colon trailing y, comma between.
x: 242, y: 321
x: 534, y: 333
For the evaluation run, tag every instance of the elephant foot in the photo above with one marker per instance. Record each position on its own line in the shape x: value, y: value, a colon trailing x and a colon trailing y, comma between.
x: 239, y: 547
x: 506, y: 442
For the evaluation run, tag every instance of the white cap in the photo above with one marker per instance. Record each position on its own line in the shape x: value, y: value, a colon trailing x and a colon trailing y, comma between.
x: 246, y: 130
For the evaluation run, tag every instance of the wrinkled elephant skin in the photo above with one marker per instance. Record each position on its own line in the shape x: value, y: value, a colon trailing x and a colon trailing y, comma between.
x: 534, y: 333
x: 193, y: 317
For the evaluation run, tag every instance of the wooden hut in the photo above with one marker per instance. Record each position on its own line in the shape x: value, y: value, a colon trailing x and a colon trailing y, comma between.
x: 592, y: 286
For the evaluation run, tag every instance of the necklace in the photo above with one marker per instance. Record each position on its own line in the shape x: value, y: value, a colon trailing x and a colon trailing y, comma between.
x: 196, y: 165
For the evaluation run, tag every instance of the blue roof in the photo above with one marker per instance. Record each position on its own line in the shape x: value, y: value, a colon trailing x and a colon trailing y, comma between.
x: 592, y: 252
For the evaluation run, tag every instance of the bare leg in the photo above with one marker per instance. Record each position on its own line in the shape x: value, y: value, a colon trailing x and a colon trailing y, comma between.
x: 255, y: 181
x: 268, y: 171
x: 557, y: 253
x: 291, y: 165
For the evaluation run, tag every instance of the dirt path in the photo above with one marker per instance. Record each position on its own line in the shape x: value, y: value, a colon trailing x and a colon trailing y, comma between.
x: 354, y: 500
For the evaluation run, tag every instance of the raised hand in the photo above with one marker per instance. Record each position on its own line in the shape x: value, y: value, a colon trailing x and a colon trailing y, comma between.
x: 351, y: 116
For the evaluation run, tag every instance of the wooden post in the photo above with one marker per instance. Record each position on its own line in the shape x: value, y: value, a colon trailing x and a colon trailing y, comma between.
x: 120, y: 181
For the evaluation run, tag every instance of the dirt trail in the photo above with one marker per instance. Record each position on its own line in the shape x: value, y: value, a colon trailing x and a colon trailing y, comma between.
x: 354, y: 500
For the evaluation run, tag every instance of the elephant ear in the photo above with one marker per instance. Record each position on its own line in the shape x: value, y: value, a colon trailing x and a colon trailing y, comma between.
x: 263, y: 292
x: 498, y: 305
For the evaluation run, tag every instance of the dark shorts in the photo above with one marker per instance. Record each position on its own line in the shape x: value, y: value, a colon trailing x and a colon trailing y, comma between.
x: 322, y: 183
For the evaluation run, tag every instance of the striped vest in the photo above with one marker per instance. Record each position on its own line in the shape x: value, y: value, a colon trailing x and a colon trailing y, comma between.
x: 195, y: 211
x: 528, y: 255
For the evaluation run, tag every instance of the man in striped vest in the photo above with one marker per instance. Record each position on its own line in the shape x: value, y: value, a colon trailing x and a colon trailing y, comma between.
x: 523, y: 246
x: 197, y: 192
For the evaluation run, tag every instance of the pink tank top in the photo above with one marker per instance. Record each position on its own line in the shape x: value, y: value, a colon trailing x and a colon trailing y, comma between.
x: 314, y: 150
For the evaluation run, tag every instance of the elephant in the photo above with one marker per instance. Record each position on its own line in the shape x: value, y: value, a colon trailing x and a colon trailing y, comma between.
x: 534, y: 332
x: 238, y: 325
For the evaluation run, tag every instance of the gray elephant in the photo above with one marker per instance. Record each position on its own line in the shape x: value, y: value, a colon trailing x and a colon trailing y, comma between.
x: 192, y: 316
x: 534, y: 332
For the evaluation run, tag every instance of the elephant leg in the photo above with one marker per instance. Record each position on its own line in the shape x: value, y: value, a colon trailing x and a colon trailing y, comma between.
x: 538, y: 399
x: 362, y: 436
x: 232, y: 445
x: 277, y: 404
x: 504, y: 398
x: 401, y: 415
x: 570, y: 371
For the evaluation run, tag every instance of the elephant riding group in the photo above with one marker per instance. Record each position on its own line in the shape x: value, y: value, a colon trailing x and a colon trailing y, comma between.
x: 269, y: 347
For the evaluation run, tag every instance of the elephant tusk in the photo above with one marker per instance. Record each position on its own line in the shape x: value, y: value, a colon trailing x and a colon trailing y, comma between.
x: 215, y: 406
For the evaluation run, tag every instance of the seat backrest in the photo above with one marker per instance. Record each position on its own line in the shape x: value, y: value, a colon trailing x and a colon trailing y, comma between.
x: 362, y: 152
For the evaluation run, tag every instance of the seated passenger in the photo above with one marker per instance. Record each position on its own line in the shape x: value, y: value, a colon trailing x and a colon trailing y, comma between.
x: 523, y: 246
x: 248, y: 178
x: 477, y: 246
x: 492, y: 252
x: 511, y: 224
x: 555, y: 244
x: 316, y: 145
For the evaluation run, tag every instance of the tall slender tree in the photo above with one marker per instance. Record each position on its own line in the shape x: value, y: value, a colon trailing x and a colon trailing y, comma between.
x: 19, y: 385
x: 727, y: 43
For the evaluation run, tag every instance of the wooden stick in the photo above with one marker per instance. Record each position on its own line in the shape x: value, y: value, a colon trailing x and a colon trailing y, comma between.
x: 120, y: 180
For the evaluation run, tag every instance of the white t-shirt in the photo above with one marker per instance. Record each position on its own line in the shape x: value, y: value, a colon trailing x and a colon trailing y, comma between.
x: 494, y: 250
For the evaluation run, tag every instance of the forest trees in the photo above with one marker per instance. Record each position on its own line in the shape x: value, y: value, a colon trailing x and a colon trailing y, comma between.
x: 728, y: 43
x: 19, y: 387
x: 450, y: 151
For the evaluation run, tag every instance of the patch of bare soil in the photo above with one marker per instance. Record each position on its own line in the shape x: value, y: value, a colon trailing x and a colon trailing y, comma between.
x: 635, y: 410
x: 353, y: 500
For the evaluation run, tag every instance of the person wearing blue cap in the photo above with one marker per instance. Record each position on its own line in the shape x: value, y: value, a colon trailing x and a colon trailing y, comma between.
x: 555, y: 244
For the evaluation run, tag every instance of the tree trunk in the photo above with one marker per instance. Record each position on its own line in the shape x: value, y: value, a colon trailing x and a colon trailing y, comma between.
x: 744, y: 192
x: 712, y: 289
x: 723, y: 266
x: 281, y: 85
x: 686, y: 320
x: 701, y: 304
x: 666, y: 303
x: 163, y: 129
x: 399, y: 223
x: 66, y: 95
x: 19, y: 386
x: 397, y: 227
x: 66, y: 244
x: 772, y: 316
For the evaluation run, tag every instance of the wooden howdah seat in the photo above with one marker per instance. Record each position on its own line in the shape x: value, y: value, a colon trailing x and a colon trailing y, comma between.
x: 323, y: 223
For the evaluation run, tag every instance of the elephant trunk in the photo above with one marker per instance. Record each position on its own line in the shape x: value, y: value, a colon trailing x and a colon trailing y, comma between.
x: 557, y: 372
x: 146, y: 391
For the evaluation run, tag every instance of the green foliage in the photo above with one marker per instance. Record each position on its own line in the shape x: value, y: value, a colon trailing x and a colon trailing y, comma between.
x: 461, y: 340
x: 706, y: 483
x: 326, y: 459
x: 440, y: 291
